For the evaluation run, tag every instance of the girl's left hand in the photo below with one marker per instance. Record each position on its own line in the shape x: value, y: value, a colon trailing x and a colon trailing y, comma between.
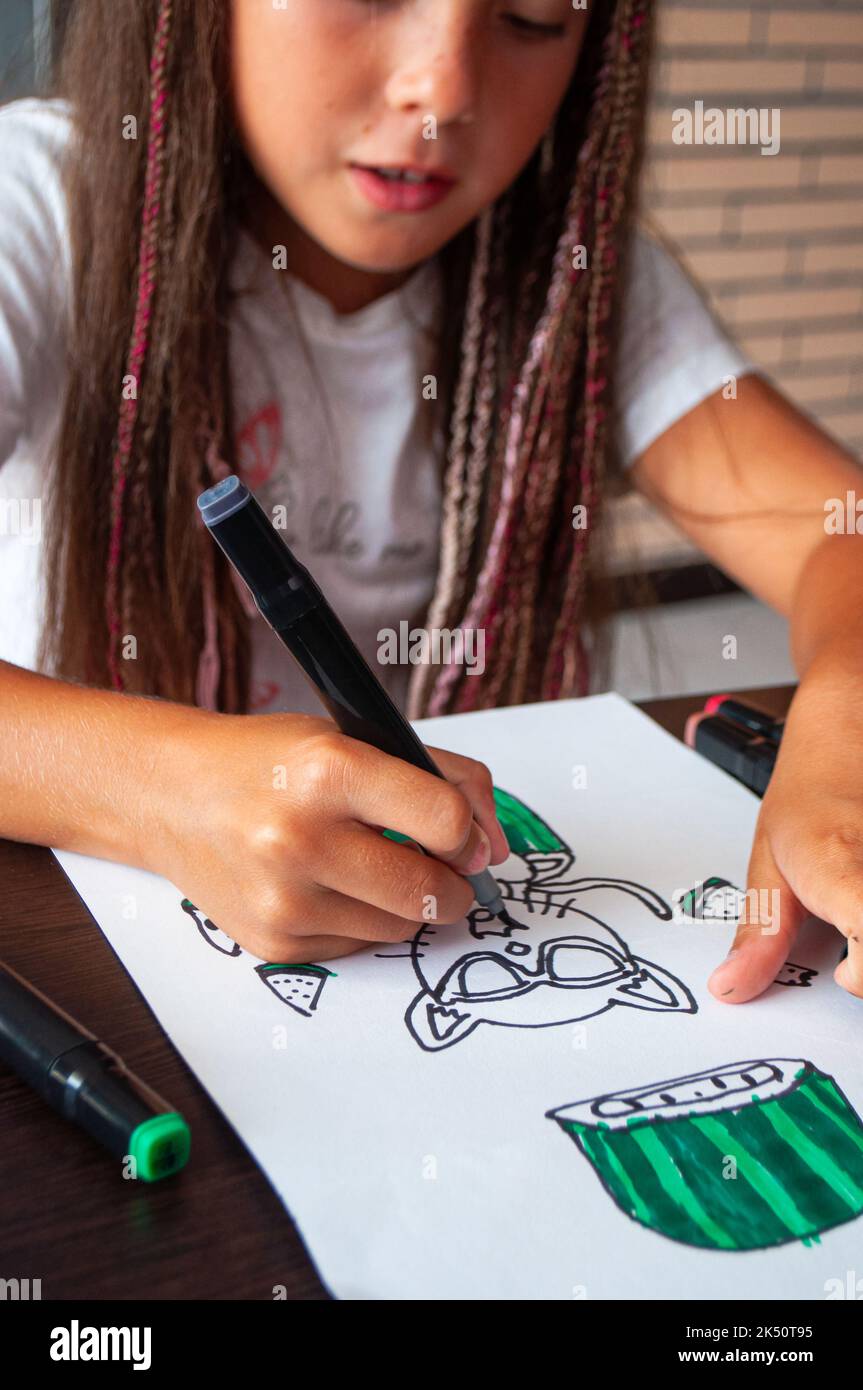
x: 807, y: 855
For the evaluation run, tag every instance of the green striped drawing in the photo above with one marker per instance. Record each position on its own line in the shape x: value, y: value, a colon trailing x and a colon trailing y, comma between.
x: 742, y: 1157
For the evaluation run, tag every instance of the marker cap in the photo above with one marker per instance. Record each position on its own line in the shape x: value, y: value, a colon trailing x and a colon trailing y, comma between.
x: 160, y: 1146
x: 223, y: 499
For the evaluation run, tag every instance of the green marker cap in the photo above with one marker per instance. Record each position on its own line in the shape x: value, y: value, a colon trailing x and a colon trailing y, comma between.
x: 160, y: 1146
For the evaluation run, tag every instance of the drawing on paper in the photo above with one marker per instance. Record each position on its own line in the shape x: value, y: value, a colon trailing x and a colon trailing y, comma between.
x: 662, y: 1152
x: 799, y: 975
x: 553, y: 959
x: 212, y: 934
x: 718, y: 900
x: 298, y: 986
x: 714, y: 900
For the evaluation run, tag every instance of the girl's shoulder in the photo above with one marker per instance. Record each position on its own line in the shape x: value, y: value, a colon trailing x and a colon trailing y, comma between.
x: 34, y: 260
x: 673, y: 349
x: 45, y: 117
x: 35, y: 134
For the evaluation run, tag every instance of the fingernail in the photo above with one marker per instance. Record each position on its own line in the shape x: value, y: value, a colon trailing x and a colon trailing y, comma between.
x: 735, y: 951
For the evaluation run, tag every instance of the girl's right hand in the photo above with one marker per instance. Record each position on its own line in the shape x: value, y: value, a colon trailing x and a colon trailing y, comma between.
x: 271, y: 825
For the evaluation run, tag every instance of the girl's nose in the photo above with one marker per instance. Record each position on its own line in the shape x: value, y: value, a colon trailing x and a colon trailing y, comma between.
x: 438, y: 76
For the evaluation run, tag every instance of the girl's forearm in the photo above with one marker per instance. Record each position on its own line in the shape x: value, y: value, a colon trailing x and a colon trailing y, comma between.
x: 80, y: 766
x: 827, y: 612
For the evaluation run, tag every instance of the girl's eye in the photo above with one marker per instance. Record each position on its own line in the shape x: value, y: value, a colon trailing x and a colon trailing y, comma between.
x: 530, y: 29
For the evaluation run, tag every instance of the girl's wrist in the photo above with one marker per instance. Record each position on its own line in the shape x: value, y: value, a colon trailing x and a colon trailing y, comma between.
x: 822, y: 696
x: 169, y: 777
x: 835, y: 663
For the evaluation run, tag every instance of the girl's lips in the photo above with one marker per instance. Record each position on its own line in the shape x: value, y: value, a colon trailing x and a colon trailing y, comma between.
x: 396, y: 196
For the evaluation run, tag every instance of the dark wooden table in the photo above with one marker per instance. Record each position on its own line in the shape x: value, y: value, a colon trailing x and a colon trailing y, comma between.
x: 217, y: 1231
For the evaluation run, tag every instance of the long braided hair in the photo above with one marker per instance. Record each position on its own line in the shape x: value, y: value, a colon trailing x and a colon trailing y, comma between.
x: 531, y: 295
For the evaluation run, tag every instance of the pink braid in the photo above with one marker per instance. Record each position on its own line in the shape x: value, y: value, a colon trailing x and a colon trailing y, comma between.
x: 147, y: 256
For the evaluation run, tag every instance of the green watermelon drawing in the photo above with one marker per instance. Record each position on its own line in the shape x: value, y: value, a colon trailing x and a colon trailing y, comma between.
x: 298, y: 986
x: 662, y: 1152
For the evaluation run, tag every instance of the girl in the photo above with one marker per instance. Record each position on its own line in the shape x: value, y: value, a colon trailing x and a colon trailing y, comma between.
x: 379, y: 258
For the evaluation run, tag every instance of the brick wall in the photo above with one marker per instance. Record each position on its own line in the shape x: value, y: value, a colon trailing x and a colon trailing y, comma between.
x: 776, y: 240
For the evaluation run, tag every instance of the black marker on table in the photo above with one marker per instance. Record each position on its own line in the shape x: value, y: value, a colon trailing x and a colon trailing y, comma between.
x: 81, y: 1078
x: 295, y: 608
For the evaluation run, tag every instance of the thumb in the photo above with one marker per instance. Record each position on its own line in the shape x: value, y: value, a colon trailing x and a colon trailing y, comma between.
x: 849, y: 971
x: 766, y: 931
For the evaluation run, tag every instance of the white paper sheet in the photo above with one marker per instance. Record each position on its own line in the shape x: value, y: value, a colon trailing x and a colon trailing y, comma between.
x: 406, y: 1127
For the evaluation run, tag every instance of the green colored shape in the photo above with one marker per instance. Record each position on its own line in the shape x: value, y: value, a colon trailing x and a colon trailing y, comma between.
x: 826, y: 1096
x: 398, y: 837
x: 160, y: 1146
x: 688, y: 902
x: 677, y: 1189
x: 728, y: 1200
x: 525, y: 831
x: 773, y: 1193
x: 820, y: 1162
x: 797, y: 1145
x: 623, y: 1189
x: 296, y: 965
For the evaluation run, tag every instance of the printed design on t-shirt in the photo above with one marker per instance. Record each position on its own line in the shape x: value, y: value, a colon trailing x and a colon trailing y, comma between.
x: 551, y: 959
x: 334, y: 523
x: 299, y: 986
x: 262, y: 693
x: 401, y: 552
x: 259, y: 444
x: 742, y: 1156
x: 259, y: 450
x: 718, y: 900
x: 332, y: 529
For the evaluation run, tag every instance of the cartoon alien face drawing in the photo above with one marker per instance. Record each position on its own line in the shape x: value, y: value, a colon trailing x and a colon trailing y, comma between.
x: 552, y: 960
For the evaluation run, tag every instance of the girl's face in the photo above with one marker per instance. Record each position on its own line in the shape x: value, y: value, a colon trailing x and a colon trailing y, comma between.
x: 468, y: 87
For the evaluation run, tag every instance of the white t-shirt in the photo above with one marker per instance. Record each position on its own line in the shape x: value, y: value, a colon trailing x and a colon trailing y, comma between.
x: 337, y: 439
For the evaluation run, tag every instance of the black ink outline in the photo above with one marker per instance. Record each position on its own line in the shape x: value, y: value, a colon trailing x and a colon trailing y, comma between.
x: 319, y: 972
x: 206, y: 928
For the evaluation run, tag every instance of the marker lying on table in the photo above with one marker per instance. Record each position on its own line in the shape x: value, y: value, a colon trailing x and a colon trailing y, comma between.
x: 750, y: 760
x: 295, y: 608
x: 755, y: 721
x: 86, y: 1082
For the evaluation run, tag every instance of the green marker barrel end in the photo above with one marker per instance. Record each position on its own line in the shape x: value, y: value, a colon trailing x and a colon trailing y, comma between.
x: 160, y: 1146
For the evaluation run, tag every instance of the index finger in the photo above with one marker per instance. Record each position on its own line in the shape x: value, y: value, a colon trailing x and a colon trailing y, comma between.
x: 474, y: 779
x: 381, y: 790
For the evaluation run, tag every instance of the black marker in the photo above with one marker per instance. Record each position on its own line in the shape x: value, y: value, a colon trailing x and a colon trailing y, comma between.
x: 746, y: 717
x: 750, y: 760
x: 295, y: 608
x: 86, y: 1082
